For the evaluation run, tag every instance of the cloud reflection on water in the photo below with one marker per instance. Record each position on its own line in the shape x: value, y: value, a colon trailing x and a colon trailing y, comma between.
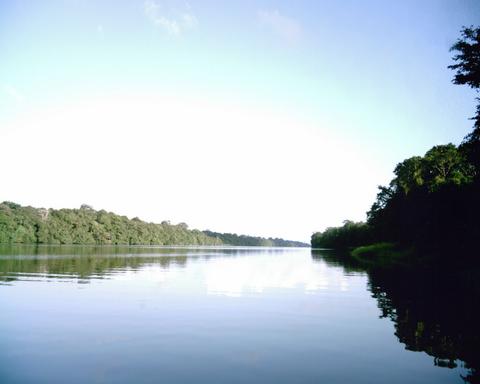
x: 238, y: 276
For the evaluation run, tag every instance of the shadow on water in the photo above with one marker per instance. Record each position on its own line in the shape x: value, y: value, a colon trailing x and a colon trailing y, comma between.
x: 434, y: 310
x: 337, y: 259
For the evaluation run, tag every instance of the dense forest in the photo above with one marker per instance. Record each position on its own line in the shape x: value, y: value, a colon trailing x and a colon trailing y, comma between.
x: 242, y: 240
x: 28, y: 225
x: 431, y: 205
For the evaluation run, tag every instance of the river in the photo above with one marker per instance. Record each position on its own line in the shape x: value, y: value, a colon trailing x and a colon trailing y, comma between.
x: 228, y: 315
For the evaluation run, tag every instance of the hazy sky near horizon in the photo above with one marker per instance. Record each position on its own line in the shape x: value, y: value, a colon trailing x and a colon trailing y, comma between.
x: 271, y: 118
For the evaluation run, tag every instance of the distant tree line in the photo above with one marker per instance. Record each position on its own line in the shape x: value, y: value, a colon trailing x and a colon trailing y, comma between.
x: 29, y: 225
x: 432, y: 203
x: 351, y: 234
x: 243, y: 240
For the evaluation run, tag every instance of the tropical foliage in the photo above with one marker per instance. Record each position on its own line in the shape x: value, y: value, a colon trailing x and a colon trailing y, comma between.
x: 87, y: 226
x: 351, y: 234
x: 432, y: 202
x: 243, y: 240
x: 28, y: 225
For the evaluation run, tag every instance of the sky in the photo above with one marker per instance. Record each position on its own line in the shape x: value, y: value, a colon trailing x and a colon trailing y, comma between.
x: 269, y: 118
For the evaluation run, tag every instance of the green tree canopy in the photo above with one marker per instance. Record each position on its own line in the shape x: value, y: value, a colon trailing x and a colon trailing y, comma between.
x: 409, y: 174
x: 467, y: 72
x: 446, y: 164
x: 467, y: 59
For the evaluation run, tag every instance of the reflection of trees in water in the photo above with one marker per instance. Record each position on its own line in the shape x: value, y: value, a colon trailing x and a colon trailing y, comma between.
x: 83, y: 267
x: 86, y: 262
x: 337, y: 259
x: 434, y: 310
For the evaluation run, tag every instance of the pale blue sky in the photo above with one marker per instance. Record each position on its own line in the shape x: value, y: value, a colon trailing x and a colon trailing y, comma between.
x: 369, y: 76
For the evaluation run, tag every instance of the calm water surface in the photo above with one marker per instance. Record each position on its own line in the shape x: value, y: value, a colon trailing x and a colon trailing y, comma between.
x: 224, y: 315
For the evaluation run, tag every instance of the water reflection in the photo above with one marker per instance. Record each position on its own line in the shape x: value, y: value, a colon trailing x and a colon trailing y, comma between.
x: 229, y: 270
x: 96, y: 262
x: 236, y: 315
x: 239, y: 276
x: 79, y: 263
x: 434, y: 310
x: 337, y: 259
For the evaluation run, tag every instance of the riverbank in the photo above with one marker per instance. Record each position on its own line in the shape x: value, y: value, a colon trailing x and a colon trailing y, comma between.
x: 384, y: 255
x: 391, y: 255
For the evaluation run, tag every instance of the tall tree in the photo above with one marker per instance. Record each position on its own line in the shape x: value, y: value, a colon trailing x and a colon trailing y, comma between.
x: 409, y: 174
x: 467, y: 58
x: 467, y: 67
x: 445, y: 164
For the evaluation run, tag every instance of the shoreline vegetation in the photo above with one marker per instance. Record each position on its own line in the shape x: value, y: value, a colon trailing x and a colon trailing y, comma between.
x: 86, y: 226
x: 384, y: 254
x: 429, y: 213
